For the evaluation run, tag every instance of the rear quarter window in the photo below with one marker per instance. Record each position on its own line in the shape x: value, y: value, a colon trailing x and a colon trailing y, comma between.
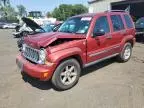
x: 128, y: 21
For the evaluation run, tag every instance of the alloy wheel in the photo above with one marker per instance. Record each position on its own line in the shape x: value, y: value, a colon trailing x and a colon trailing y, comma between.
x: 68, y: 75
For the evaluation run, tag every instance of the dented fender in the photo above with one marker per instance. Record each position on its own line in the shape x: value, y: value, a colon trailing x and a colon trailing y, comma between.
x: 66, y: 53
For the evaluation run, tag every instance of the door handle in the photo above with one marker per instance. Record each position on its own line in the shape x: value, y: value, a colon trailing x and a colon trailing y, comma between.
x: 123, y: 32
x: 109, y: 36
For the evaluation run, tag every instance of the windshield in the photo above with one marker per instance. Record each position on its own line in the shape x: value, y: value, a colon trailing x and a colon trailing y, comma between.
x: 45, y: 28
x: 76, y: 25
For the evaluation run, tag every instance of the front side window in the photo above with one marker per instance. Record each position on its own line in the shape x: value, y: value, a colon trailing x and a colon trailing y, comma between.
x: 102, y: 25
x: 78, y: 25
x: 117, y: 22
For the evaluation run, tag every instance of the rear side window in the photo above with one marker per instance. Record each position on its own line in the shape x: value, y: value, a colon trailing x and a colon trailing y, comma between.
x: 117, y: 22
x: 102, y: 25
x: 128, y: 21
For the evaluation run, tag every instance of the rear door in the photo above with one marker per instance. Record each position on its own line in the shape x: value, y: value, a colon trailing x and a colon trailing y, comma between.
x: 118, y: 31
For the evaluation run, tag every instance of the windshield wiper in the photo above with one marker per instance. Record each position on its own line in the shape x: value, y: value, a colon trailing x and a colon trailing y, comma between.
x: 66, y: 31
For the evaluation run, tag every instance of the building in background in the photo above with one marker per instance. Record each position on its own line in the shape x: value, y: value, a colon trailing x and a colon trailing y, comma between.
x: 134, y: 7
x: 100, y: 5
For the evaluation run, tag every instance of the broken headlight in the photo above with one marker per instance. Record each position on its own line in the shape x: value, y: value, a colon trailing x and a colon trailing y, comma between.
x: 42, y: 56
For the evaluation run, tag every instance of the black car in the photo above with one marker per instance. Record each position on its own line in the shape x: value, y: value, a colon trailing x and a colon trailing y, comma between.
x: 139, y: 25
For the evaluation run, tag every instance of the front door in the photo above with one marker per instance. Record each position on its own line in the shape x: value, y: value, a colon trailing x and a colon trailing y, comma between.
x: 97, y: 46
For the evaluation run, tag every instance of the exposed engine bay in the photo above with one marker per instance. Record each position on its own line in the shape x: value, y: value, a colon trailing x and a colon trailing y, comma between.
x: 60, y: 41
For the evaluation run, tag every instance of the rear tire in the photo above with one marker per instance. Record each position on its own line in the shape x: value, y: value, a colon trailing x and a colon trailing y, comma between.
x: 126, y: 53
x: 66, y: 74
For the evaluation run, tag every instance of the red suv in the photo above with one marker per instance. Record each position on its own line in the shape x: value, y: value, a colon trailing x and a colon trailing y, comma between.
x: 81, y: 41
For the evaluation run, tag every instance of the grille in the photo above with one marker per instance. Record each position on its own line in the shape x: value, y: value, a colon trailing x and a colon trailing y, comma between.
x: 31, y: 54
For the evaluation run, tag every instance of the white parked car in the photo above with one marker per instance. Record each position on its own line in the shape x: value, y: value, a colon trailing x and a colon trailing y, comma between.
x: 9, y: 26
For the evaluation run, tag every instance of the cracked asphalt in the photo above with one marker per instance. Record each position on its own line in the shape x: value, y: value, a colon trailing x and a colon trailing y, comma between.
x: 108, y: 84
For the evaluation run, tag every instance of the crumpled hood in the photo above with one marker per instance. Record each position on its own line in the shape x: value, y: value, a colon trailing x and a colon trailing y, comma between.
x: 45, y: 39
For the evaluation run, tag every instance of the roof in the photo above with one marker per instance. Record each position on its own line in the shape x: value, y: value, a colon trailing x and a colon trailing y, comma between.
x: 94, y: 14
x: 86, y: 15
x: 93, y: 1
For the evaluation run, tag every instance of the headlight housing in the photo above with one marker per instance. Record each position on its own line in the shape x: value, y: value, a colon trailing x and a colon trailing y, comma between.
x: 42, y: 56
x: 23, y: 47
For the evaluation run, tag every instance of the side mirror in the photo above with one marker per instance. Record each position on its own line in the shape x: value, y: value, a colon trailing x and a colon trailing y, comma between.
x: 99, y: 33
x: 55, y: 29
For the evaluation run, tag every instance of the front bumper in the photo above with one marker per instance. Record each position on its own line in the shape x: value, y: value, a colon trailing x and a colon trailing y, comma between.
x: 42, y: 72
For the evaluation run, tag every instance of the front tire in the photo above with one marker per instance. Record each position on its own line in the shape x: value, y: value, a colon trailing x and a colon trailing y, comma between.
x: 67, y: 74
x: 126, y: 53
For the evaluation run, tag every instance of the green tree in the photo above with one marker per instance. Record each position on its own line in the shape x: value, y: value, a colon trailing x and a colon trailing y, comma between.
x: 3, y: 5
x: 21, y: 10
x: 79, y: 9
x: 7, y: 12
x: 49, y: 14
x: 64, y: 11
x: 56, y: 14
x: 4, y: 2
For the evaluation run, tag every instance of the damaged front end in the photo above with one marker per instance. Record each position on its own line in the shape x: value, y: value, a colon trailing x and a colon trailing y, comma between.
x: 44, y: 40
x: 60, y: 41
x: 37, y: 49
